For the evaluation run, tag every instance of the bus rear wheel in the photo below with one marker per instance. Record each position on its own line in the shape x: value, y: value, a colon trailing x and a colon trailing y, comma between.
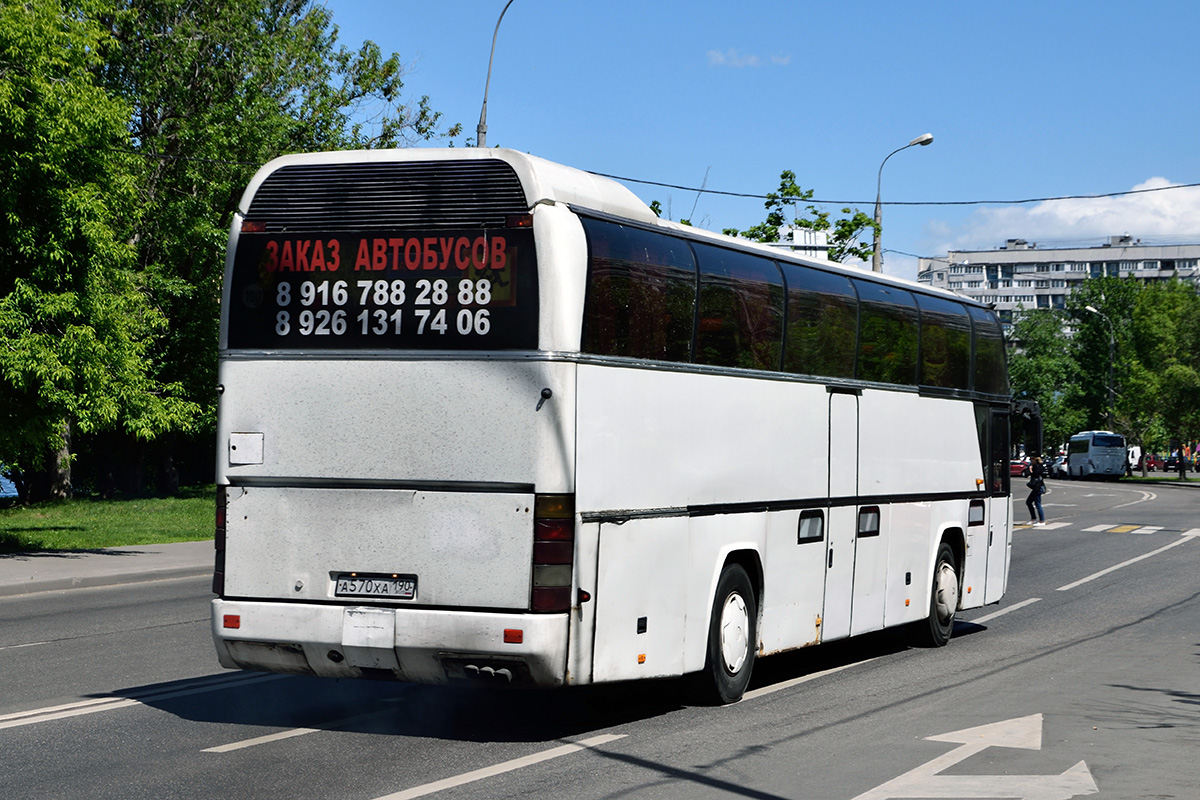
x: 732, y: 639
x: 934, y: 630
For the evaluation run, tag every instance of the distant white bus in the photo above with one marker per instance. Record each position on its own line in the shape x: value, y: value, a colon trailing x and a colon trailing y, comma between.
x: 1097, y: 454
x: 484, y: 417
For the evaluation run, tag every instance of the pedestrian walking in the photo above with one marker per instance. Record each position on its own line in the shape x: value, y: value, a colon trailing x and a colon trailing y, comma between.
x: 1037, y: 487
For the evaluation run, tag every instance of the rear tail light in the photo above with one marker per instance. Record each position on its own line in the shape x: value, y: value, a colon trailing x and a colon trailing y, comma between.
x: 219, y: 543
x: 553, y: 551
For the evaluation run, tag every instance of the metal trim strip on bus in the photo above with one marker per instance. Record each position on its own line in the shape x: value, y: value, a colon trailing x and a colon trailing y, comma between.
x: 301, y: 482
x: 770, y: 506
x: 630, y: 362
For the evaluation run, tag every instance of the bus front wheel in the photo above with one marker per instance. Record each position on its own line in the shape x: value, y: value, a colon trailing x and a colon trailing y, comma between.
x: 934, y: 630
x: 732, y: 639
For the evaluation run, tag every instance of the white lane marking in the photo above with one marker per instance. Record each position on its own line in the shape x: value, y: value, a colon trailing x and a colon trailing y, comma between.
x: 19, y: 646
x: 1192, y: 534
x: 929, y: 780
x: 288, y: 734
x: 1148, y: 529
x: 500, y: 769
x: 1098, y: 528
x: 778, y: 687
x: 1144, y: 497
x: 1003, y: 611
x: 79, y: 708
x: 271, y: 737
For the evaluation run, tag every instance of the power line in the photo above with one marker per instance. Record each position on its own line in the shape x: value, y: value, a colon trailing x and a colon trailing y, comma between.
x: 751, y: 196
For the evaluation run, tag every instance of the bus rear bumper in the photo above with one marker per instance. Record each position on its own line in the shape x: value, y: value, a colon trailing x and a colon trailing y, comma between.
x: 408, y: 644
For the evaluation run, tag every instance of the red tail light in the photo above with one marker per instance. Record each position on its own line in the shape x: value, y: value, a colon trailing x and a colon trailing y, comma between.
x: 553, y: 551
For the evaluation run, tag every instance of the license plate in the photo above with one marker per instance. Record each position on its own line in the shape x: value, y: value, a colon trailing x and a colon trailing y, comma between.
x: 399, y: 587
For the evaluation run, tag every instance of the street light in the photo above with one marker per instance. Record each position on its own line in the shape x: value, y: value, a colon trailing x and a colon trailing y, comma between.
x: 481, y: 128
x: 1112, y: 357
x: 877, y: 255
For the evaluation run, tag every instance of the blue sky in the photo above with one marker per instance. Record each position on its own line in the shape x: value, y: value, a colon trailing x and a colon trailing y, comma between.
x: 1024, y: 99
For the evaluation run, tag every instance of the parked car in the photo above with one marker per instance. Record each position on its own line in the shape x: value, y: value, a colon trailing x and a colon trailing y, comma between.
x: 1058, y: 468
x: 1019, y: 466
x: 1172, y: 464
x: 1153, y: 462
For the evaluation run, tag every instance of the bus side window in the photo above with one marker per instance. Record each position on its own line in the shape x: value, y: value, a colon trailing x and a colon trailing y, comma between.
x: 822, y: 323
x: 868, y: 521
x: 641, y: 294
x: 887, y: 338
x: 811, y: 527
x: 741, y: 310
x: 945, y: 343
x: 990, y: 376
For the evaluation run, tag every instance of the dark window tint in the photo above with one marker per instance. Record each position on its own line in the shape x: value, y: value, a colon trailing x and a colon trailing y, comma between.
x: 641, y: 293
x: 990, y: 372
x: 822, y: 323
x: 887, y: 334
x: 741, y: 310
x: 868, y: 521
x: 945, y: 343
x: 811, y: 527
x: 1107, y: 440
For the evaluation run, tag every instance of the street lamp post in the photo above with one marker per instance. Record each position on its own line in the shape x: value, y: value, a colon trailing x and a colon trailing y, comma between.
x: 1112, y: 357
x: 481, y: 128
x: 877, y: 255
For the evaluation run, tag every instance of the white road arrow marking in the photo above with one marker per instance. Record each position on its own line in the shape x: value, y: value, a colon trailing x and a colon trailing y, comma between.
x: 1023, y: 732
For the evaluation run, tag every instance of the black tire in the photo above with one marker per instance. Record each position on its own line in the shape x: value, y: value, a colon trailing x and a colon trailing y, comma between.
x: 935, y: 629
x: 732, y: 640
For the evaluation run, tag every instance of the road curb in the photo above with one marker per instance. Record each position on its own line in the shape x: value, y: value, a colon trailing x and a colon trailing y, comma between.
x: 57, y: 584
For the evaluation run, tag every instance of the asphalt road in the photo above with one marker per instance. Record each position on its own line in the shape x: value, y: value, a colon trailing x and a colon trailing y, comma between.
x: 1083, y: 682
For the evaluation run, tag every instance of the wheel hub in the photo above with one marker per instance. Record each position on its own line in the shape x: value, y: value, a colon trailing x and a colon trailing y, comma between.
x: 735, y: 633
x: 947, y: 593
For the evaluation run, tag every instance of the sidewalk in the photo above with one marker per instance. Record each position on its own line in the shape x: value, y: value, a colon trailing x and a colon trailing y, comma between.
x: 50, y: 570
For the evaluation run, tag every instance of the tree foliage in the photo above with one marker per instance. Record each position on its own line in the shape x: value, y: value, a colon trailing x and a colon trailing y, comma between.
x: 128, y: 131
x: 1134, y: 355
x: 783, y: 211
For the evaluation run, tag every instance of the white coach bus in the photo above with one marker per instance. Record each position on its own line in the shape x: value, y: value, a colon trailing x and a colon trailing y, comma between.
x: 486, y: 417
x: 1097, y: 454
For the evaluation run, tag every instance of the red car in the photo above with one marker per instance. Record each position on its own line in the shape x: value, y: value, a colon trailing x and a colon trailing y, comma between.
x: 1019, y: 467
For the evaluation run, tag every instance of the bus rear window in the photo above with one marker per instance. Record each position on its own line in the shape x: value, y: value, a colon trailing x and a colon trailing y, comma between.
x: 464, y: 289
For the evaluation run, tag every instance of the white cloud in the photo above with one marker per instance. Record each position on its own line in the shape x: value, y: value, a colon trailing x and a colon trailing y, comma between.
x: 1172, y: 213
x: 732, y: 58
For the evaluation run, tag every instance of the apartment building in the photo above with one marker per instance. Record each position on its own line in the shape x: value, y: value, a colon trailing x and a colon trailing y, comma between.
x: 1021, y: 275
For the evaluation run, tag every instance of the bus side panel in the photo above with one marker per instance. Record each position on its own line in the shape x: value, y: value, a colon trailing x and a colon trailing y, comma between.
x: 640, y: 598
x: 713, y: 539
x: 870, y: 576
x: 913, y: 444
x: 913, y: 537
x: 999, y: 549
x: 653, y: 439
x: 793, y: 585
x: 582, y: 633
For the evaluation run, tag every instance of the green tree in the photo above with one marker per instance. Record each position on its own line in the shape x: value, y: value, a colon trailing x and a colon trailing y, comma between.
x: 76, y: 325
x: 215, y: 90
x: 783, y: 210
x: 1165, y: 335
x: 1042, y: 368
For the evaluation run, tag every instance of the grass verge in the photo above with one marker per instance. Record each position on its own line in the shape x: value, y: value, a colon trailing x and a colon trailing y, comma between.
x: 91, y: 524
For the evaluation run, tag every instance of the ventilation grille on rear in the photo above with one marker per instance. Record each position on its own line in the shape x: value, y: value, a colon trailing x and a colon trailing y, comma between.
x: 388, y: 196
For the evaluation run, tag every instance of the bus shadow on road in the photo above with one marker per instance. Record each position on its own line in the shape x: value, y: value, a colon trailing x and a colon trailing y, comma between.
x: 411, y: 710
x: 467, y: 713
